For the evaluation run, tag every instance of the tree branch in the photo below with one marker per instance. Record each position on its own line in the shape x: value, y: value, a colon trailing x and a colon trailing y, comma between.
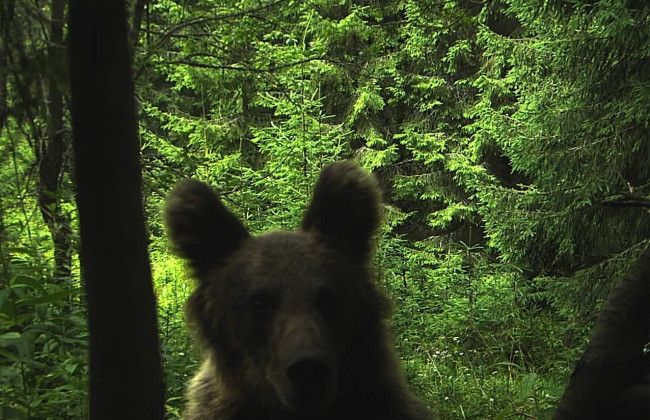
x: 240, y: 68
x: 626, y: 200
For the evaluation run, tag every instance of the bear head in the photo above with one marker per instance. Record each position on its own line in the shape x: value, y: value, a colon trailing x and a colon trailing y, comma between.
x: 284, y: 315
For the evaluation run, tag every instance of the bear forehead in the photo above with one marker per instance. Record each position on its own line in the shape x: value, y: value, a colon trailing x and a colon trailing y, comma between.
x: 284, y: 245
x: 283, y: 257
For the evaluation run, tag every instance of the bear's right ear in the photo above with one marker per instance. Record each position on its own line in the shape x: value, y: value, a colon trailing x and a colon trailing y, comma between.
x: 201, y: 229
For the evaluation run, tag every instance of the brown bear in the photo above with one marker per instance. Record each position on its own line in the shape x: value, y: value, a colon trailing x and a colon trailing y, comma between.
x: 292, y: 322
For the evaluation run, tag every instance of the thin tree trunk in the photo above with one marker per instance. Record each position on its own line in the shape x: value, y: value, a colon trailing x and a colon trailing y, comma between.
x: 52, y: 157
x: 125, y: 369
x: 138, y: 13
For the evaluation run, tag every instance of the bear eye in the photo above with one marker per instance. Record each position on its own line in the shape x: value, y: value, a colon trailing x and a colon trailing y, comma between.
x: 261, y: 302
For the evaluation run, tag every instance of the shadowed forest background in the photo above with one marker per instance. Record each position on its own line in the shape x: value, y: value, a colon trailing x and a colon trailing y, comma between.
x: 510, y: 138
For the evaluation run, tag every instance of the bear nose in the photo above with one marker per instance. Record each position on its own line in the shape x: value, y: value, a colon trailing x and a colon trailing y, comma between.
x: 308, y: 370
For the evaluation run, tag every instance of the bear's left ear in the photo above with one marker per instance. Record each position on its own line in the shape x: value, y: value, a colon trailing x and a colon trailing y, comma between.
x: 201, y: 229
x: 345, y: 207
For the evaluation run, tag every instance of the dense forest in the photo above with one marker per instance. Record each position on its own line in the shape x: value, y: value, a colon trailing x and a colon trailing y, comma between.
x: 509, y: 138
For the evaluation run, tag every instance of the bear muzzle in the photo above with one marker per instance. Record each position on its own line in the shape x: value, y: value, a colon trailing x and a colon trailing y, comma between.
x: 311, y: 377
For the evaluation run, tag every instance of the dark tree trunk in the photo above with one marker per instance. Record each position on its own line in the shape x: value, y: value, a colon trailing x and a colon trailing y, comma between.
x: 125, y: 369
x: 53, y: 154
x: 6, y: 12
x: 138, y: 13
x: 612, y: 379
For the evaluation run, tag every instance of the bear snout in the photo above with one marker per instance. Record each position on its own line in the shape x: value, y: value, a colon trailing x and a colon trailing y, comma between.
x: 311, y: 377
x: 308, y: 369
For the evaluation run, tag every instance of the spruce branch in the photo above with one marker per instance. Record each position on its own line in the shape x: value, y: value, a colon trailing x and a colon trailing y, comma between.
x: 626, y: 200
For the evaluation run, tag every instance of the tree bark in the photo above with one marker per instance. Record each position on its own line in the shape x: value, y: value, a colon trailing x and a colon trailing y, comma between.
x: 125, y: 368
x: 51, y: 165
x: 6, y: 13
x: 138, y: 13
x: 612, y: 379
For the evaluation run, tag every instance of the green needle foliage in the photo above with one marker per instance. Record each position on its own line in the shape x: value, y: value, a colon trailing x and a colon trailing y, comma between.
x: 510, y: 138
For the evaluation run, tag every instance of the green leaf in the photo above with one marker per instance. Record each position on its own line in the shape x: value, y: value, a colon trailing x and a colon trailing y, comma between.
x: 56, y: 297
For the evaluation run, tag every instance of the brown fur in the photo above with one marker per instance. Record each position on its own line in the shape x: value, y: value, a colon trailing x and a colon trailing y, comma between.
x: 293, y: 324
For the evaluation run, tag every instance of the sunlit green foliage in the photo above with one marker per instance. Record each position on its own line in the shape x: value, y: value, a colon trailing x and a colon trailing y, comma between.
x: 43, y: 331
